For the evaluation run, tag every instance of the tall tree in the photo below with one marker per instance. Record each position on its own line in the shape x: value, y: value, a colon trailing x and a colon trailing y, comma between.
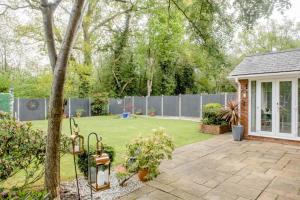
x: 269, y: 36
x: 59, y: 64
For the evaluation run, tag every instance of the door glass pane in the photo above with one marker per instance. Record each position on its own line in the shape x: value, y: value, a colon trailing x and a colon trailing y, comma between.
x: 253, y: 106
x: 298, y: 107
x: 285, y: 107
x: 266, y: 106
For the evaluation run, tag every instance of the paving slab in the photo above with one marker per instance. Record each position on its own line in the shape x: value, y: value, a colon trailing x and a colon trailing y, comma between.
x: 222, y: 169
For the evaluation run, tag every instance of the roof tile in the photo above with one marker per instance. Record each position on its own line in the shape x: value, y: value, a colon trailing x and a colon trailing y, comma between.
x: 273, y: 62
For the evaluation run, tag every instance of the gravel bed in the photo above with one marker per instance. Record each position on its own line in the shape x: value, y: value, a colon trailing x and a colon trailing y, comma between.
x: 69, y: 190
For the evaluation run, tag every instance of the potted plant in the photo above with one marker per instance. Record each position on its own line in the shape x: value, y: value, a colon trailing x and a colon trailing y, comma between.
x: 79, y: 112
x: 144, y: 156
x: 151, y: 112
x: 230, y: 114
x: 212, y: 122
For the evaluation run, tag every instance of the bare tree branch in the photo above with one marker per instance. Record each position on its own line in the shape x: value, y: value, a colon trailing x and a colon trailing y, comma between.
x: 190, y: 21
x: 10, y: 7
x: 105, y: 21
x: 49, y: 33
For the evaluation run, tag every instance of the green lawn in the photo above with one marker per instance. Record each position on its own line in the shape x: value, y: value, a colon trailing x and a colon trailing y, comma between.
x: 119, y: 132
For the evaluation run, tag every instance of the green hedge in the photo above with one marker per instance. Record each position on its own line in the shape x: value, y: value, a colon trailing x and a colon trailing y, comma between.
x: 211, y: 114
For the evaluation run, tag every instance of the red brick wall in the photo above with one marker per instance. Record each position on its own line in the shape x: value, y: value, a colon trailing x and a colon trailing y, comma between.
x: 244, y: 118
x: 244, y: 106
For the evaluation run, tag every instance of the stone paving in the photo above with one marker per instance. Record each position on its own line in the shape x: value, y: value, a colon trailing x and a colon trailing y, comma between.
x: 221, y: 169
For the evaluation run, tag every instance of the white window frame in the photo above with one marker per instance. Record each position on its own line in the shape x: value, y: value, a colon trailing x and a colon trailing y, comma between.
x: 275, y: 86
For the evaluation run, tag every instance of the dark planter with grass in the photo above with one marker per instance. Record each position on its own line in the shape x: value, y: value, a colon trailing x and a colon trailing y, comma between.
x: 237, y: 132
x: 214, y: 129
x: 212, y: 122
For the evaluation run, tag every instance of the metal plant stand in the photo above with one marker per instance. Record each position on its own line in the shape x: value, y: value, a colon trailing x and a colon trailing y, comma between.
x: 89, y: 167
x: 75, y: 167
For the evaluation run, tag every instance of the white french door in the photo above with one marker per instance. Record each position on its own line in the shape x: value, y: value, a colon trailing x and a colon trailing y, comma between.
x: 277, y: 108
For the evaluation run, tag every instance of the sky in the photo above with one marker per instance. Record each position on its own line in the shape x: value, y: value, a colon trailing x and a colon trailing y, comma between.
x: 293, y: 13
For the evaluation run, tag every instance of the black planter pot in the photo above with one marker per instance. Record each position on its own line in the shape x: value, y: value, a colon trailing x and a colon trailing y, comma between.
x: 237, y: 132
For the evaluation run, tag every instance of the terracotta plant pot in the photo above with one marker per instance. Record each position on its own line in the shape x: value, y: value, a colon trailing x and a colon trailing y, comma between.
x: 152, y: 114
x: 142, y: 174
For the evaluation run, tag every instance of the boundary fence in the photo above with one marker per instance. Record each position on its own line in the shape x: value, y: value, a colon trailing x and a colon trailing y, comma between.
x: 174, y: 106
x: 37, y: 108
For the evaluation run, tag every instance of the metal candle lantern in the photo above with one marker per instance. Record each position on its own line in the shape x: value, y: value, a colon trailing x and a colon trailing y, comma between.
x: 101, y: 172
x: 98, y: 166
x: 77, y: 145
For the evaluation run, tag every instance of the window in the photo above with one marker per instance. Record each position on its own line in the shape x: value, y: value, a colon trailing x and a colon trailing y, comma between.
x: 298, y: 107
x: 253, y: 106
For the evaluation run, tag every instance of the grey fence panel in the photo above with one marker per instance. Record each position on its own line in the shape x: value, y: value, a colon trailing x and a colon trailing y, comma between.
x: 213, y: 98
x: 171, y: 106
x: 154, y: 102
x: 140, y: 105
x: 190, y: 105
x: 116, y: 106
x: 231, y: 97
x: 128, y: 104
x: 31, y: 109
x: 79, y: 104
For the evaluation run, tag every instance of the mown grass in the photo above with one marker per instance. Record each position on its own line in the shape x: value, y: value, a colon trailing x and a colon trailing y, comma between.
x: 119, y: 132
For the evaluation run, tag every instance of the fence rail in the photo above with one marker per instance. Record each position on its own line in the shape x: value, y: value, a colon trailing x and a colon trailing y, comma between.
x: 177, y: 106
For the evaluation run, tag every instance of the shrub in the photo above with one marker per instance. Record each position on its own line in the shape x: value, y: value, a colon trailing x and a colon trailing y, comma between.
x: 83, y: 158
x: 212, y: 114
x: 18, y: 193
x: 147, y: 153
x: 99, y: 104
x: 23, y: 148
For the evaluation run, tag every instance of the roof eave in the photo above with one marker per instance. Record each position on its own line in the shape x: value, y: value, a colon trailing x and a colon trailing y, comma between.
x: 246, y: 76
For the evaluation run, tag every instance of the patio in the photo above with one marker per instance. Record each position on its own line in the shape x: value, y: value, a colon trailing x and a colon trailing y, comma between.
x: 221, y: 169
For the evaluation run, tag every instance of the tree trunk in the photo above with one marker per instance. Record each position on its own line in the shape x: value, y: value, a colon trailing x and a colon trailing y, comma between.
x: 52, y: 162
x: 150, y: 72
x: 149, y: 87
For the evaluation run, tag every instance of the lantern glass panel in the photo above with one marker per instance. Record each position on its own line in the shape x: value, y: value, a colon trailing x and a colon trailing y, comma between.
x: 77, y: 144
x: 102, y: 175
x: 92, y: 177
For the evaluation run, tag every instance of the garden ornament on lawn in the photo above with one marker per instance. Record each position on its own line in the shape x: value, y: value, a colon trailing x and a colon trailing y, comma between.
x: 98, y: 167
x: 77, y: 146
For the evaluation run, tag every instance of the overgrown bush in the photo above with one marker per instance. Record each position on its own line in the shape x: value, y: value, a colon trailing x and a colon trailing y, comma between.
x: 212, y: 114
x: 99, y: 104
x: 18, y: 193
x: 23, y: 148
x: 83, y: 158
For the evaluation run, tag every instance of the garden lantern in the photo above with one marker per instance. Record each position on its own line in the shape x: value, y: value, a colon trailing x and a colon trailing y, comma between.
x: 77, y: 143
x: 100, y: 172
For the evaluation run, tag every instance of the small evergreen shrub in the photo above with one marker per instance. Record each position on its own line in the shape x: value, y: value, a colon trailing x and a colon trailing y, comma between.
x: 23, y: 148
x: 212, y: 114
x: 99, y: 104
